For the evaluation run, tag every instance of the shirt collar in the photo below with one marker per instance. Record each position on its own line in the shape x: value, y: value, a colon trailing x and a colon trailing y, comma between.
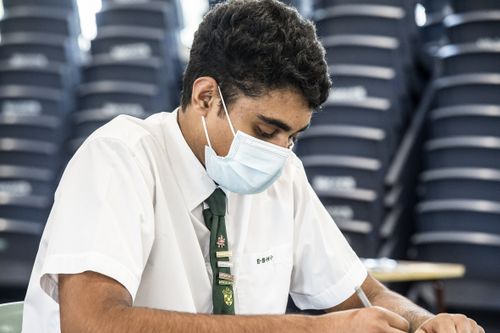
x: 196, y: 185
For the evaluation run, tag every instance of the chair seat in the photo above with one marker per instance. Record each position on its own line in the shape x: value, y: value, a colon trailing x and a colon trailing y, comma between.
x: 478, y: 251
x: 461, y: 6
x: 459, y: 215
x: 465, y: 120
x: 343, y: 172
x: 467, y: 89
x: 463, y: 151
x: 468, y: 58
x: 460, y: 183
x: 472, y: 26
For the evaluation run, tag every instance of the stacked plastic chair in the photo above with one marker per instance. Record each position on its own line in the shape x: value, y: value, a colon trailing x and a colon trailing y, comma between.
x: 432, y: 35
x: 351, y: 143
x: 38, y: 71
x: 458, y: 217
x: 134, y: 67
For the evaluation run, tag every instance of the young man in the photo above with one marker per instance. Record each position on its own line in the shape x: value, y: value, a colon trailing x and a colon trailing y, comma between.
x: 159, y: 224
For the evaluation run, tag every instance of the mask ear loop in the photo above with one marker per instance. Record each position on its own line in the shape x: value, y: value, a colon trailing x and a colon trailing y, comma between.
x: 225, y: 110
x: 203, y: 121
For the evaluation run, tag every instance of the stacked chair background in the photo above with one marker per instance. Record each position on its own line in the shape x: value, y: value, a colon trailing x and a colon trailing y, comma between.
x: 458, y: 215
x: 432, y: 32
x: 134, y: 67
x: 351, y: 144
x: 39, y: 59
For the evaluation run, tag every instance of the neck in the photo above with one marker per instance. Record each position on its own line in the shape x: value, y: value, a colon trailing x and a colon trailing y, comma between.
x: 190, y: 131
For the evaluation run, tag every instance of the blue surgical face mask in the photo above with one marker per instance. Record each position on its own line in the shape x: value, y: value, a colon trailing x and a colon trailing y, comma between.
x: 251, y: 165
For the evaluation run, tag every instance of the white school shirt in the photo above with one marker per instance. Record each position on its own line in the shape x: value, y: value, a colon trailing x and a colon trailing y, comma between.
x: 129, y: 206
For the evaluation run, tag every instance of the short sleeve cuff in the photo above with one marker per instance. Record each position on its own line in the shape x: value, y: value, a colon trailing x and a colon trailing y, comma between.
x: 334, y: 294
x: 78, y: 263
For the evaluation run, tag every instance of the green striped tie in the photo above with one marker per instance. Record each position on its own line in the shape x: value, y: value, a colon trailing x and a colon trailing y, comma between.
x: 220, y: 256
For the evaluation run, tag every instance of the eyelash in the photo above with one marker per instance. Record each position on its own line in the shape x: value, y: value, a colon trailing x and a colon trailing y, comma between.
x: 265, y: 135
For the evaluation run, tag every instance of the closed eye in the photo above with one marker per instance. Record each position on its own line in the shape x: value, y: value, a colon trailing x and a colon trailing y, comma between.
x: 266, y: 135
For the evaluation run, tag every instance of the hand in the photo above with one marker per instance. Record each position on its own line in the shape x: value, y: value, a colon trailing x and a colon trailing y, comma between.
x: 449, y: 323
x: 366, y: 320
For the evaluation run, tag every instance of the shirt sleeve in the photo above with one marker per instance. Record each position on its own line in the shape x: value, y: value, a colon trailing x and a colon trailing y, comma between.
x: 102, y: 219
x: 326, y: 269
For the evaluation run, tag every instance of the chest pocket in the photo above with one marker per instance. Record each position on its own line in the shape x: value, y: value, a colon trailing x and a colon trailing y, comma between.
x: 263, y: 280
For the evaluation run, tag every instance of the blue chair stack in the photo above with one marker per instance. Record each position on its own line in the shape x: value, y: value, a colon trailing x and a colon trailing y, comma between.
x: 352, y: 142
x: 134, y: 66
x: 39, y: 59
x: 458, y: 216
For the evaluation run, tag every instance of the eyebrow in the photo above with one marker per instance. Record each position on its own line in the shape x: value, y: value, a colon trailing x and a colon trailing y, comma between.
x: 280, y: 124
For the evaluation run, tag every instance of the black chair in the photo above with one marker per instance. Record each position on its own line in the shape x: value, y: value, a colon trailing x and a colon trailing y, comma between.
x: 133, y: 43
x: 460, y: 183
x: 472, y: 27
x: 48, y: 48
x: 465, y: 120
x: 395, y: 232
x: 379, y: 51
x: 353, y: 205
x: 32, y: 101
x: 29, y: 153
x: 74, y: 145
x: 158, y: 15
x: 359, y: 19
x: 361, y: 236
x: 478, y: 298
x: 436, y: 6
x: 381, y: 82
x: 130, y: 43
x: 458, y: 215
x: 86, y: 122
x: 39, y: 19
x: 344, y: 140
x: 329, y: 3
x: 330, y: 172
x: 173, y: 5
x: 462, y: 247
x: 433, y: 29
x: 39, y: 128
x: 20, y: 241
x: 41, y: 75
x: 463, y: 151
x: 460, y: 6
x: 369, y: 50
x: 97, y: 95
x: 105, y: 68
x: 25, y: 181
x: 467, y: 89
x: 67, y: 4
x: 431, y: 38
x: 369, y: 112
x: 34, y: 208
x: 407, y: 5
x: 468, y: 58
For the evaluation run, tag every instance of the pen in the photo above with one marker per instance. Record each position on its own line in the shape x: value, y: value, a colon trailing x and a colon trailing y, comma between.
x: 362, y: 297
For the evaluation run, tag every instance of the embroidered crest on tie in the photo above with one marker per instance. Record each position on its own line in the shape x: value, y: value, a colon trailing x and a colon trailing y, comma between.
x: 221, y: 241
x: 220, y: 256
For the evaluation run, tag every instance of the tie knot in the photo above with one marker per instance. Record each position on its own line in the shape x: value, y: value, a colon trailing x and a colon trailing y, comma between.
x: 217, y: 202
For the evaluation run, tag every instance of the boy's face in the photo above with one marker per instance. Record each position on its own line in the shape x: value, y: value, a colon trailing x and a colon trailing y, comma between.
x: 277, y: 117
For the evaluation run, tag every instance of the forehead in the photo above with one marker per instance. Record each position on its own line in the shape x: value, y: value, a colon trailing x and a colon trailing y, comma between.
x: 284, y: 104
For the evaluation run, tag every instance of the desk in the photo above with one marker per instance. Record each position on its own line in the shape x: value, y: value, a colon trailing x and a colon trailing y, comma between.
x: 388, y: 270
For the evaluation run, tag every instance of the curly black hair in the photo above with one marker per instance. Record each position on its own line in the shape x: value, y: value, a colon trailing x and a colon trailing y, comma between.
x: 252, y: 46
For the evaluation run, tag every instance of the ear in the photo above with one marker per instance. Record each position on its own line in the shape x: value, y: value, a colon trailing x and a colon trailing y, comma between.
x: 205, y: 96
